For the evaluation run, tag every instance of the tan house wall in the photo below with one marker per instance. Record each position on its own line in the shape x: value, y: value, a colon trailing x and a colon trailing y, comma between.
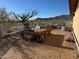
x: 76, y: 24
x: 76, y: 27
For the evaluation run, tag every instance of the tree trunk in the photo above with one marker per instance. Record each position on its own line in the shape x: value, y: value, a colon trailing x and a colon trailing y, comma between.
x: 26, y: 25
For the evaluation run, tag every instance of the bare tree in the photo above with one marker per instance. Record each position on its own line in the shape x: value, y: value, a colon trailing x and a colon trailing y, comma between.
x: 3, y: 18
x: 3, y: 14
x: 25, y: 17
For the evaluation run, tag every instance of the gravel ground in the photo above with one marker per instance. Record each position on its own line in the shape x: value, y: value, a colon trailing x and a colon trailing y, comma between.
x: 54, y: 47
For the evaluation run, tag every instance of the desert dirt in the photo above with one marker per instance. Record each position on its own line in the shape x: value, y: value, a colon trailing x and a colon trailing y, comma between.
x: 54, y: 47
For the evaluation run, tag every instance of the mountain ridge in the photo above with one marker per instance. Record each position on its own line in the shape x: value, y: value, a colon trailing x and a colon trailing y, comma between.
x: 66, y: 17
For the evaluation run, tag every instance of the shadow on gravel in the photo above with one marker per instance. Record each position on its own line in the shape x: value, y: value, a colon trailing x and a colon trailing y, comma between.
x: 57, y: 41
x: 6, y: 44
x: 52, y: 40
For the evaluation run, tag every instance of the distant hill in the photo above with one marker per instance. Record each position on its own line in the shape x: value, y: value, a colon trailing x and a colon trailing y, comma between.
x: 65, y: 17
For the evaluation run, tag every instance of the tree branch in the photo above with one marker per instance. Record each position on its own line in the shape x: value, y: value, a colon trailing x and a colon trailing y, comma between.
x: 16, y: 16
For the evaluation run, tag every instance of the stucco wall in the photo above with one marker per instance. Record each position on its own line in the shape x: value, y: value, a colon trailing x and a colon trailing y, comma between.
x: 76, y: 28
x: 76, y: 24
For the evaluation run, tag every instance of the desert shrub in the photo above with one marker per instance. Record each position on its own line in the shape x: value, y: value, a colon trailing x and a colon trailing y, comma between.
x: 68, y: 29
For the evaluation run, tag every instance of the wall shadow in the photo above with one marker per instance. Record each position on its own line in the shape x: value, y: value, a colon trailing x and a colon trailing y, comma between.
x: 56, y: 41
